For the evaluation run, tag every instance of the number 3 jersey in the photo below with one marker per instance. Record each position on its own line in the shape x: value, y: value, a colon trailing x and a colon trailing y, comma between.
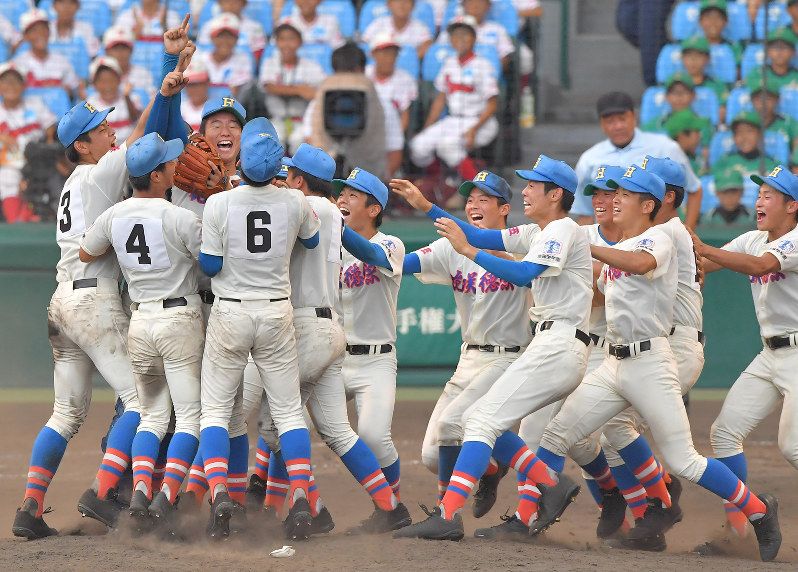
x: 87, y: 193
x: 156, y: 244
x: 254, y: 229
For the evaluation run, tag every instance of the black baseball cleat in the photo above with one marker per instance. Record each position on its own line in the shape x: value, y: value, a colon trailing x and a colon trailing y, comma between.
x: 435, y: 527
x: 767, y: 530
x: 298, y: 523
x: 485, y: 497
x: 222, y: 510
x: 511, y: 528
x: 382, y: 521
x: 654, y: 543
x: 256, y: 493
x: 322, y: 523
x: 674, y: 513
x: 163, y: 516
x: 105, y: 510
x: 553, y: 502
x: 613, y: 513
x: 655, y: 521
x: 140, y: 513
x: 31, y: 527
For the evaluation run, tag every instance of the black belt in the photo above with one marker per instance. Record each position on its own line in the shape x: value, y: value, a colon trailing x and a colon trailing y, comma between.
x: 84, y: 283
x: 595, y: 338
x: 239, y: 301
x: 362, y: 350
x: 175, y: 302
x: 623, y: 352
x: 778, y: 342
x: 701, y: 336
x: 486, y: 348
x: 548, y: 324
x: 324, y: 313
x: 206, y: 296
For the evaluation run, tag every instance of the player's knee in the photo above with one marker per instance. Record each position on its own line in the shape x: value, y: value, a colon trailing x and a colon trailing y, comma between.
x: 339, y: 442
x: 450, y: 432
x: 690, y: 466
x: 584, y: 451
x: 724, y: 441
x: 555, y: 441
x: 190, y: 426
x: 65, y: 424
x: 429, y: 458
x: 130, y: 400
x: 618, y: 436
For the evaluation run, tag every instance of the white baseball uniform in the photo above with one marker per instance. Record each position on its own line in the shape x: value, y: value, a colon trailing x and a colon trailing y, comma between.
x: 86, y: 322
x: 468, y: 86
x: 399, y: 90
x: 413, y: 34
x: 254, y: 229
x: 369, y: 296
x: 53, y: 71
x: 324, y: 29
x: 157, y: 244
x: 25, y: 124
x: 770, y: 377
x: 232, y: 73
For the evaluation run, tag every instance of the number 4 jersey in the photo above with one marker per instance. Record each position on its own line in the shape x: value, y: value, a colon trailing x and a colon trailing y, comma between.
x: 254, y: 229
x: 156, y: 243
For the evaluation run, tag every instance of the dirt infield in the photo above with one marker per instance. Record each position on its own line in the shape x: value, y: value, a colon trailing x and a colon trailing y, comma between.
x: 570, y: 545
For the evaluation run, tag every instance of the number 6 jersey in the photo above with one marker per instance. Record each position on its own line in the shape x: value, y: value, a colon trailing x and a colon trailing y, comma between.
x: 254, y: 229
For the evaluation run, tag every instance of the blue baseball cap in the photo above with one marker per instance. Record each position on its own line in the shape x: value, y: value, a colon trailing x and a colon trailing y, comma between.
x: 79, y: 120
x: 547, y: 170
x: 149, y: 151
x: 313, y: 160
x: 489, y: 183
x: 283, y: 174
x: 365, y: 182
x: 781, y: 179
x: 261, y: 152
x: 603, y: 174
x: 638, y: 180
x: 226, y: 103
x: 666, y: 169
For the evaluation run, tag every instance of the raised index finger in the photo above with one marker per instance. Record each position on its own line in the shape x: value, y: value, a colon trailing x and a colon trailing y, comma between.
x: 184, y: 26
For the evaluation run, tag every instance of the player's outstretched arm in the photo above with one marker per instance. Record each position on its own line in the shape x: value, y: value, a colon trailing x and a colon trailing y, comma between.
x: 639, y: 262
x: 747, y: 264
x: 364, y: 250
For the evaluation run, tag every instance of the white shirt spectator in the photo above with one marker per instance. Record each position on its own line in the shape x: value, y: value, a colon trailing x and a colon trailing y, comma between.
x: 305, y: 72
x: 151, y: 30
x: 488, y: 34
x: 233, y: 73
x: 468, y: 85
x: 414, y: 34
x: 119, y: 119
x: 139, y: 77
x: 400, y: 90
x: 250, y: 35
x: 54, y: 71
x: 25, y: 123
x: 80, y: 29
x: 323, y: 30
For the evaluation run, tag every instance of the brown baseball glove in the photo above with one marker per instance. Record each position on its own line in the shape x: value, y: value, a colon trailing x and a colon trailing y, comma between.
x: 194, y: 168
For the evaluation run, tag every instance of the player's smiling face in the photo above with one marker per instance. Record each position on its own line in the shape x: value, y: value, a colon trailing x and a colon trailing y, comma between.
x: 773, y: 208
x: 223, y: 131
x: 627, y: 209
x: 352, y: 205
x: 534, y: 200
x: 101, y: 140
x: 602, y: 205
x: 484, y: 211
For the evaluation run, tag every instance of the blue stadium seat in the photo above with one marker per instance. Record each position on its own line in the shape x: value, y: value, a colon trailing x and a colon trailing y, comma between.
x: 708, y: 198
x: 97, y: 13
x: 148, y: 55
x: 261, y: 12
x: 750, y: 192
x: 218, y: 92
x: 739, y: 27
x: 501, y: 11
x: 684, y: 20
x: 75, y: 51
x: 56, y: 99
x: 739, y: 100
x: 46, y: 5
x: 706, y: 104
x: 669, y: 61
x: 722, y: 144
x: 776, y: 146
x: 13, y: 9
x: 433, y: 60
x: 655, y: 105
x: 3, y: 52
x: 320, y: 53
x: 374, y: 9
x: 722, y: 64
x: 788, y: 102
x: 209, y: 11
x: 491, y: 54
x: 343, y: 10
x: 180, y: 7
x: 753, y: 58
x: 407, y: 60
x: 777, y: 18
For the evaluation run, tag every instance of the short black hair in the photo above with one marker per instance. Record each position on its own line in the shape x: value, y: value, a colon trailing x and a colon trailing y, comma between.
x: 142, y: 182
x: 567, y: 200
x: 678, y: 193
x: 252, y: 183
x: 372, y: 200
x: 657, y: 204
x: 315, y: 184
x: 72, y: 154
x: 348, y: 58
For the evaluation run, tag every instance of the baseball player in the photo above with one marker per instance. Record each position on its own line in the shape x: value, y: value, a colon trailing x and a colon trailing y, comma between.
x: 640, y: 370
x: 370, y: 278
x: 559, y: 269
x: 766, y: 256
x: 86, y: 323
x: 157, y: 244
x: 247, y: 237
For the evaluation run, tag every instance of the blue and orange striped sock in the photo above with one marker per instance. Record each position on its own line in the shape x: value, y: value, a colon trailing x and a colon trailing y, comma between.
x: 314, y: 498
x: 181, y: 451
x: 363, y: 465
x: 392, y: 474
x: 277, y: 483
x: 145, y: 453
x: 511, y: 450
x: 160, y: 463
x: 238, y: 467
x: 262, y: 455
x: 117, y: 452
x: 470, y: 466
x: 719, y: 479
x: 48, y: 450
x: 639, y: 457
x: 295, y: 449
x: 631, y: 489
x: 447, y: 457
x: 197, y: 483
x: 528, y: 499
x: 599, y: 469
x: 734, y: 516
x: 215, y: 448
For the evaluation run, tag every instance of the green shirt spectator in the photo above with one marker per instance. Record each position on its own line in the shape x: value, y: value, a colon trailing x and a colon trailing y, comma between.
x: 685, y: 127
x: 748, y: 159
x: 780, y: 51
x: 713, y: 19
x: 680, y: 94
x: 695, y: 59
x: 729, y: 191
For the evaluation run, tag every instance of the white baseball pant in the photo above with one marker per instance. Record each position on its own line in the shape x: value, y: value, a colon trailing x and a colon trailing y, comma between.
x: 446, y: 139
x: 165, y: 347
x: 87, y: 329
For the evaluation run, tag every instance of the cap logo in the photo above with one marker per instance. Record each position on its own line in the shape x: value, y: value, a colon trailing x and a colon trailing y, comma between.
x: 228, y: 102
x: 90, y: 107
x: 264, y: 135
x: 535, y: 166
x: 159, y: 137
x: 644, y: 163
x: 600, y: 173
x: 629, y: 172
x: 481, y: 176
x: 775, y: 172
x: 354, y: 173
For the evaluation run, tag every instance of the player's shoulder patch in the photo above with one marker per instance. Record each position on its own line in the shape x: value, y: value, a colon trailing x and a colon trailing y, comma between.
x: 646, y: 243
x: 786, y: 246
x: 552, y: 246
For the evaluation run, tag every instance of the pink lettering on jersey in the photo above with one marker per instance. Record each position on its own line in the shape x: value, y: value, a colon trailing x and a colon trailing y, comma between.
x: 772, y: 277
x: 425, y: 250
x: 514, y: 230
x: 612, y: 274
x: 355, y: 276
x: 465, y: 284
x: 491, y: 283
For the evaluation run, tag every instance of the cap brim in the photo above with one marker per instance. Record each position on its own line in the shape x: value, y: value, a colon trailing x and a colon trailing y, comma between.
x: 174, y: 148
x: 614, y: 110
x: 451, y: 27
x: 241, y: 119
x: 220, y: 30
x: 631, y: 186
x: 339, y: 184
x: 773, y: 183
x: 95, y: 121
x: 288, y: 162
x: 532, y: 175
x: 467, y: 186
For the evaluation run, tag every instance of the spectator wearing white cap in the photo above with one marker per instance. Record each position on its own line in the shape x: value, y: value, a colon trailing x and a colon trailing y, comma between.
x: 39, y: 66
x: 406, y: 30
x: 226, y: 67
x: 66, y: 29
x: 396, y: 88
x: 290, y: 83
x: 119, y: 43
x: 105, y: 76
x: 195, y: 93
x: 21, y: 122
x: 316, y: 28
x: 145, y: 19
x: 251, y: 32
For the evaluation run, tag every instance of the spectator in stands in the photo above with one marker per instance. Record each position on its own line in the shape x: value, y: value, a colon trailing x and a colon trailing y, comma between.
x: 685, y: 128
x: 290, y: 83
x: 396, y: 87
x: 713, y: 19
x: 21, y: 122
x: 780, y: 52
x: 729, y: 191
x: 625, y: 145
x: 680, y: 95
x: 748, y: 158
x: 316, y: 28
x: 105, y: 76
x: 227, y: 67
x: 406, y: 30
x: 40, y: 66
x: 9, y: 34
x: 252, y: 34
x: 118, y: 43
x: 792, y: 10
x: 196, y: 93
x: 765, y: 99
x: 145, y: 18
x: 642, y: 24
x: 467, y: 87
x: 66, y: 29
x: 695, y: 59
x: 489, y: 33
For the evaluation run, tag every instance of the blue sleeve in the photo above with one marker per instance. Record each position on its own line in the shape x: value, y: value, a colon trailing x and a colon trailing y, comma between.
x: 518, y: 273
x: 175, y: 127
x: 364, y: 250
x: 487, y: 238
x: 311, y: 242
x: 168, y: 64
x: 159, y: 116
x: 411, y: 264
x: 210, y: 264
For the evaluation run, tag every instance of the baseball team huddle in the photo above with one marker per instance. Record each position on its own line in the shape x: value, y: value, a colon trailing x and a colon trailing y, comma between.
x: 262, y: 283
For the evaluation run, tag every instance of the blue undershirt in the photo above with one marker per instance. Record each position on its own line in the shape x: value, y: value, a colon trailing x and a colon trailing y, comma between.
x: 364, y: 250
